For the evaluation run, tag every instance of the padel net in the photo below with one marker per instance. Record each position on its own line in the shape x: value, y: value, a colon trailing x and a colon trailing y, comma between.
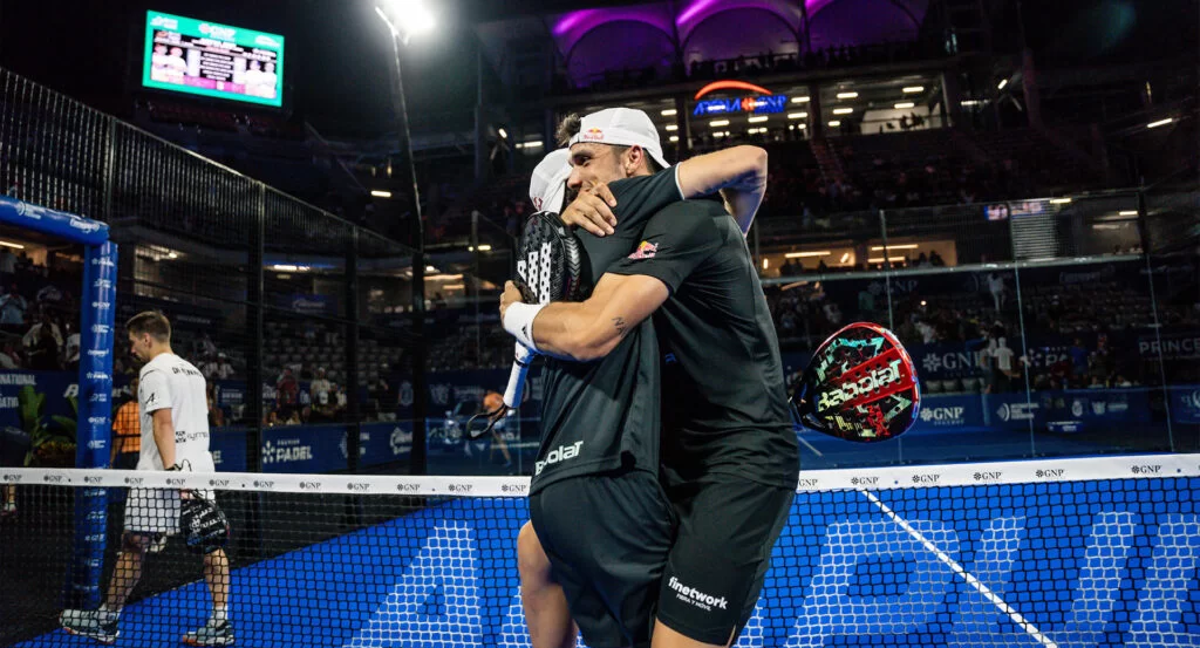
x: 1072, y: 552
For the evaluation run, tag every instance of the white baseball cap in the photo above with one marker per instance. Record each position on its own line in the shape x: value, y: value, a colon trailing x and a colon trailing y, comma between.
x: 548, y: 186
x: 622, y: 127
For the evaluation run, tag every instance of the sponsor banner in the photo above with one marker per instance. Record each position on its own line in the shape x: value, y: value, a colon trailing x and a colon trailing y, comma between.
x: 1172, y: 346
x: 228, y: 448
x: 381, y: 443
x: 309, y: 304
x: 949, y: 412
x: 303, y: 449
x: 1185, y: 404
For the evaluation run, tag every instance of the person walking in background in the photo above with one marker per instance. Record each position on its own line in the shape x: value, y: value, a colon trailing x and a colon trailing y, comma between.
x: 174, y: 437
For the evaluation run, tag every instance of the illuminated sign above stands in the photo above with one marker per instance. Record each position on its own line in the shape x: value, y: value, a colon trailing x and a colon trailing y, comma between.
x: 770, y: 103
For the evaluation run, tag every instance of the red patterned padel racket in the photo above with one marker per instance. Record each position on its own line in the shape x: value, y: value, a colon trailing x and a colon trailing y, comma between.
x: 860, y: 385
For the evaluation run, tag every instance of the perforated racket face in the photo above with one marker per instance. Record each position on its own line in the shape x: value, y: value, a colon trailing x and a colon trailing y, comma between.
x: 549, y: 262
x: 860, y: 386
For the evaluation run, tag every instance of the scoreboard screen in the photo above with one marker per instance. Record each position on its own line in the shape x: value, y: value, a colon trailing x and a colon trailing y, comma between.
x: 213, y: 60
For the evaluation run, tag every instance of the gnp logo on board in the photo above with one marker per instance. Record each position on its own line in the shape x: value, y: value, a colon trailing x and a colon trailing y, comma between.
x: 987, y: 476
x: 1149, y: 469
x: 1050, y: 473
x: 926, y: 478
x: 864, y: 481
x: 358, y: 487
x: 310, y: 485
x: 461, y: 488
x: 519, y: 489
x: 408, y: 488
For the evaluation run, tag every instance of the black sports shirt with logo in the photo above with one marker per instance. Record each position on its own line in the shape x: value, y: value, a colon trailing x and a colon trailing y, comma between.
x: 724, y: 400
x: 603, y: 415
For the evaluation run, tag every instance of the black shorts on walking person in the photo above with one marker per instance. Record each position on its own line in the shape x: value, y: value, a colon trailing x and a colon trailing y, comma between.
x: 607, y: 537
x: 716, y: 568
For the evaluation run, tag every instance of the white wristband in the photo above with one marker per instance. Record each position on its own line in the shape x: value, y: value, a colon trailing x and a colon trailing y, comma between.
x: 518, y: 321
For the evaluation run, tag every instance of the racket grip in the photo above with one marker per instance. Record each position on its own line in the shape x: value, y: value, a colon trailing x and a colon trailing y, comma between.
x: 516, y: 378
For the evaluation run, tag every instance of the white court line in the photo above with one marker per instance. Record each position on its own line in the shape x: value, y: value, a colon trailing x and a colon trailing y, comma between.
x: 967, y: 576
x: 809, y: 446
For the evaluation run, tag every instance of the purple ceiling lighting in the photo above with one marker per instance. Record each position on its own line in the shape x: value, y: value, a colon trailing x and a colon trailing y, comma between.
x: 570, y: 27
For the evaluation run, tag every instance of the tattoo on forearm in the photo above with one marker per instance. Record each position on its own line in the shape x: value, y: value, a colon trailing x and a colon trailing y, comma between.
x: 622, y: 328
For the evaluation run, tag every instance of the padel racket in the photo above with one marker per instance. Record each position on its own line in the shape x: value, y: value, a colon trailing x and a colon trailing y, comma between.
x: 860, y: 385
x: 549, y: 268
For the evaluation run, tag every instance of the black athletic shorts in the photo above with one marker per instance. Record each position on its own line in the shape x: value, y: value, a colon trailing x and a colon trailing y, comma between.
x: 607, y: 537
x: 715, y: 570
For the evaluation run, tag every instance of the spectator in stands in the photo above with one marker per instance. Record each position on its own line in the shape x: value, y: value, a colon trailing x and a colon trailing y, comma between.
x: 1079, y: 359
x: 287, y: 391
x: 936, y: 260
x: 8, y: 266
x: 12, y: 310
x: 319, y: 386
x: 71, y: 350
x: 996, y: 287
x: 127, y: 432
x: 43, y: 350
x: 204, y: 346
x: 340, y: 399
x: 46, y: 323
x: 378, y: 396
x: 9, y: 358
x: 216, y: 415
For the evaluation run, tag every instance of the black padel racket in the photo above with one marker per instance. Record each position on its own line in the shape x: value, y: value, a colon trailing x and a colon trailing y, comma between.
x: 549, y: 268
x: 860, y: 385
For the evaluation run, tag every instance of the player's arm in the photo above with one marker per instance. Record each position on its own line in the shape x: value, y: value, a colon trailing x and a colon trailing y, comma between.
x: 164, y: 435
x: 739, y: 174
x: 678, y: 239
x: 154, y: 397
x: 589, y: 330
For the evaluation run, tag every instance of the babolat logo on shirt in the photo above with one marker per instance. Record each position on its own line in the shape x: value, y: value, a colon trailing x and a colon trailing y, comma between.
x: 696, y: 597
x: 881, y: 377
x: 559, y: 454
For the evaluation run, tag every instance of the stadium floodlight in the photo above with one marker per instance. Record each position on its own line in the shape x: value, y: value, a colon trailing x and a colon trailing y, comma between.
x: 379, y: 193
x: 806, y: 255
x: 670, y: 112
x: 801, y: 99
x: 798, y: 115
x: 905, y: 104
x: 672, y: 127
x: 1161, y: 122
x: 1128, y: 212
x: 1003, y: 83
x: 835, y: 123
x: 913, y: 89
x: 717, y: 123
x: 172, y: 255
x: 842, y: 111
x: 15, y: 246
x: 847, y: 95
x: 485, y: 248
x: 503, y: 133
x: 758, y: 119
x: 407, y: 17
x: 1060, y: 201
x: 674, y: 138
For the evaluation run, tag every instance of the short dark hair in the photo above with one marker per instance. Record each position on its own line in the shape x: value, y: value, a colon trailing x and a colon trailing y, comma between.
x: 152, y: 322
x: 568, y: 128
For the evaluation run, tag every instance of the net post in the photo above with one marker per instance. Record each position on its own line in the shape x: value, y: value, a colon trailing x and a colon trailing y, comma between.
x: 94, y: 420
x: 353, y: 414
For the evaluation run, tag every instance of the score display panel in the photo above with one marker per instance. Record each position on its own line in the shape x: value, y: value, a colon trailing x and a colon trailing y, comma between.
x: 213, y: 60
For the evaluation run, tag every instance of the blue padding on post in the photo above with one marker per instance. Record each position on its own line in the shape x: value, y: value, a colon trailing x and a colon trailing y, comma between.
x: 55, y: 223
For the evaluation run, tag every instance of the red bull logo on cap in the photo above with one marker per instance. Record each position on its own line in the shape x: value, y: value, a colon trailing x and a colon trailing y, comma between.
x: 645, y: 250
x: 593, y: 135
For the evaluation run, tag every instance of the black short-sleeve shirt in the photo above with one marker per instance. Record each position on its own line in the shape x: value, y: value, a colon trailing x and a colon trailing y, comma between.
x: 724, y: 399
x: 603, y: 415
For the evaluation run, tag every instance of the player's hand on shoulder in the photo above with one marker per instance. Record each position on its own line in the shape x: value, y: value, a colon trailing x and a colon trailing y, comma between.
x: 511, y: 295
x: 592, y: 211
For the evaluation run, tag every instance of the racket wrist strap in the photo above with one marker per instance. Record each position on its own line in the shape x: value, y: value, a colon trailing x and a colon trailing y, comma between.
x: 518, y: 321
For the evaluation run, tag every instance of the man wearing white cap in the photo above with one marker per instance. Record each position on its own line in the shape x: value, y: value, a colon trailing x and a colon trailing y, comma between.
x: 730, y: 457
x: 600, y: 420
